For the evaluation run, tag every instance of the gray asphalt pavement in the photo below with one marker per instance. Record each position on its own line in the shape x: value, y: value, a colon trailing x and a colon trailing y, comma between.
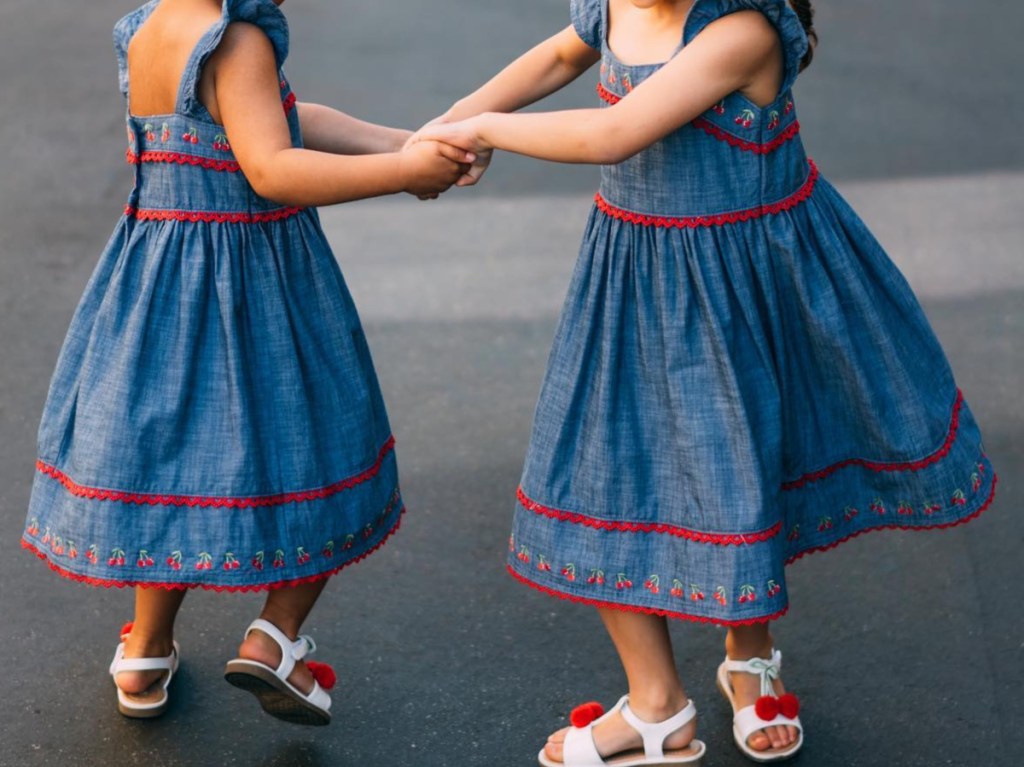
x: 905, y: 648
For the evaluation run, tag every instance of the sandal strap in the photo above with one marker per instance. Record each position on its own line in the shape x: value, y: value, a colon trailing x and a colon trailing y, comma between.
x: 766, y: 668
x: 290, y: 651
x: 747, y: 722
x: 654, y: 734
x: 121, y: 663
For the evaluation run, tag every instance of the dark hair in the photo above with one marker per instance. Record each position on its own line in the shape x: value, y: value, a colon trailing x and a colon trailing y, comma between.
x: 805, y: 13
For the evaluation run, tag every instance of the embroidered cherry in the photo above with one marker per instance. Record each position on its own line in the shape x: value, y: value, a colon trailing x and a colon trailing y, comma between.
x: 93, y: 553
x: 33, y: 527
x: 204, y: 561
x: 191, y: 136
x: 231, y: 561
x: 301, y: 555
x: 368, y: 532
x: 150, y: 135
x: 719, y: 108
x: 958, y: 498
x: 56, y: 545
x: 523, y: 555
x: 627, y: 83
x: 144, y: 559
x: 877, y: 506
x: 849, y: 513
x: 652, y: 584
x: 622, y: 582
x: 975, y: 481
x: 794, y: 534
x: 165, y: 133
x: 174, y: 560
x: 328, y: 549
x: 279, y: 558
x: 542, y: 564
x: 981, y: 469
x: 905, y: 509
x: 511, y: 543
x: 824, y: 523
x: 72, y: 550
x: 257, y: 560
x: 719, y: 595
x: 46, y: 535
x: 569, y: 571
x: 677, y: 588
x: 773, y: 120
x: 745, y: 118
x: 747, y: 594
x: 773, y: 588
x: 220, y: 143
x: 596, y: 577
x: 932, y: 508
x: 611, y: 75
x: 788, y: 108
x: 350, y: 541
x: 116, y: 558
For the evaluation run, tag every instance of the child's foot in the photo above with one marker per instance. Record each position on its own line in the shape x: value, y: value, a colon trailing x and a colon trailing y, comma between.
x: 614, y: 735
x: 138, y: 646
x: 259, y: 647
x: 747, y: 689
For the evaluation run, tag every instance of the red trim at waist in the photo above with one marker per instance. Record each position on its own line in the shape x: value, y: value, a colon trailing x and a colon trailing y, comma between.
x: 213, y: 217
x: 182, y: 159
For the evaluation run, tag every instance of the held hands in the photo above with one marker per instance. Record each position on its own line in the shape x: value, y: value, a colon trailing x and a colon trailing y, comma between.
x: 461, y: 134
x: 428, y: 168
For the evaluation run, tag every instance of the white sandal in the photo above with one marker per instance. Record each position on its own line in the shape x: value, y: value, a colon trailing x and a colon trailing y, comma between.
x: 154, y: 700
x: 271, y: 687
x: 579, y: 749
x: 768, y: 711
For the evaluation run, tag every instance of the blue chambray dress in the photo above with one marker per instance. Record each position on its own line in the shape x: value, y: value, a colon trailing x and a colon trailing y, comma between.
x: 214, y: 419
x: 740, y: 375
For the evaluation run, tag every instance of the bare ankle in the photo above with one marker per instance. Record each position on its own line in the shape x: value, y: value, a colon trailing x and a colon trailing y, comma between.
x: 744, y: 643
x: 657, y: 705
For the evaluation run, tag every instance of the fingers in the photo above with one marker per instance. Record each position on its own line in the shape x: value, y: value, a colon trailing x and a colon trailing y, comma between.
x: 455, y: 153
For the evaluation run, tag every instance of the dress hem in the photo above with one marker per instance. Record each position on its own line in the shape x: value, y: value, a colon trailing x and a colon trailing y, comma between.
x: 106, y: 583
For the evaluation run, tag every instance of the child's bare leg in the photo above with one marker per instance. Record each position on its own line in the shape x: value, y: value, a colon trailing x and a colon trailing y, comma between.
x: 655, y: 692
x: 152, y: 634
x: 287, y: 609
x: 744, y: 643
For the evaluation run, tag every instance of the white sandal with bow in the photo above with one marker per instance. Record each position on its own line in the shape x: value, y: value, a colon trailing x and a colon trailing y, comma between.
x: 271, y: 687
x: 579, y: 749
x: 768, y: 711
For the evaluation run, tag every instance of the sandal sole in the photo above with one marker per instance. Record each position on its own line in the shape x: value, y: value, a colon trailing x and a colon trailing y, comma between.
x: 275, y: 698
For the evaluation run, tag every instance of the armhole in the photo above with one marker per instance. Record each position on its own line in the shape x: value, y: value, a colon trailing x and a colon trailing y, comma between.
x: 588, y: 19
x: 778, y: 12
x: 263, y: 14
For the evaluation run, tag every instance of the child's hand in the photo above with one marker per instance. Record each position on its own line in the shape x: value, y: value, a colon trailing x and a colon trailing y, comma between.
x: 463, y: 134
x: 428, y: 168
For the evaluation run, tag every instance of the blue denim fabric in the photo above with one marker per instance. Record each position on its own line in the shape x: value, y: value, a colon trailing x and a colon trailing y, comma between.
x: 223, y: 364
x: 726, y: 395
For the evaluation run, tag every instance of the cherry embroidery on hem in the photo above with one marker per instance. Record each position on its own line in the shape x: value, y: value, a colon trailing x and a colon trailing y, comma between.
x: 90, y: 581
x: 724, y: 539
x: 152, y: 499
x: 718, y: 219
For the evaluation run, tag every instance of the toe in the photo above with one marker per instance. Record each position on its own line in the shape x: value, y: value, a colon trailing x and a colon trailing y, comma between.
x: 759, y: 741
x: 553, y: 748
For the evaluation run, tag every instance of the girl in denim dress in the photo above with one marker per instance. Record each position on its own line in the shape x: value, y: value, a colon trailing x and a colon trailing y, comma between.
x: 214, y: 420
x: 740, y: 375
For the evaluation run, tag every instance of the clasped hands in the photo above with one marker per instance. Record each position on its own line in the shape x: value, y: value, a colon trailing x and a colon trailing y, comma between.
x: 462, y: 135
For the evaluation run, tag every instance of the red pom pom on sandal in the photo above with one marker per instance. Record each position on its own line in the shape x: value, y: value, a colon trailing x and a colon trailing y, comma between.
x: 585, y: 713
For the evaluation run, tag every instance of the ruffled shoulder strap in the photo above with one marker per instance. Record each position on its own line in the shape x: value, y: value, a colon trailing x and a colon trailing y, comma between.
x: 124, y: 31
x: 778, y: 12
x: 588, y: 21
x: 263, y: 13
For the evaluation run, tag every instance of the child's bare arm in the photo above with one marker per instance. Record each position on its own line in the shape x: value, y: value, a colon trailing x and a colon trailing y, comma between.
x: 539, y: 72
x: 329, y: 130
x: 249, y: 104
x: 724, y: 58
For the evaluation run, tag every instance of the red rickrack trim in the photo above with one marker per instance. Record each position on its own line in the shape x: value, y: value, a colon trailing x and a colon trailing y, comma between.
x: 723, y: 539
x: 107, y: 584
x: 607, y: 95
x: 182, y: 159
x: 644, y: 610
x: 289, y: 102
x: 719, y: 219
x: 938, y: 455
x: 196, y: 216
x: 915, y: 528
x: 151, y: 499
x: 748, y: 146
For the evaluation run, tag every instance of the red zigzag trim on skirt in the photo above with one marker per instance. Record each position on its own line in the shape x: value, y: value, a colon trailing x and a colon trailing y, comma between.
x: 917, y: 528
x: 644, y: 610
x: 108, y: 584
x: 938, y: 455
x: 723, y: 539
x: 182, y: 159
x: 719, y: 219
x: 196, y: 216
x: 151, y: 499
x: 791, y: 131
